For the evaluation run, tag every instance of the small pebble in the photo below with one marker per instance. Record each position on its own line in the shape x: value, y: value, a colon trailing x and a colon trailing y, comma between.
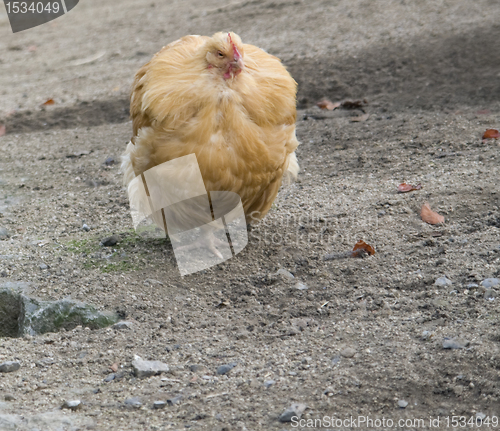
x: 490, y: 294
x: 133, y: 402
x: 269, y: 383
x: 224, y: 369
x: 9, y: 397
x: 449, y: 343
x: 110, y: 161
x: 490, y: 282
x: 144, y: 369
x: 4, y: 233
x: 480, y: 416
x: 287, y: 274
x: 336, y: 360
x: 329, y: 391
x: 72, y: 405
x: 301, y: 286
x: 85, y: 227
x: 443, y: 281
x: 109, y: 377
x: 348, y: 352
x: 110, y: 241
x: 9, y: 367
x: 426, y: 335
x: 123, y: 324
x: 294, y: 411
x: 159, y: 405
x: 402, y: 404
x: 43, y: 266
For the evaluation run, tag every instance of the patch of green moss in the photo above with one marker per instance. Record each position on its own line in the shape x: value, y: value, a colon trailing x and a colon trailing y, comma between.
x: 121, y: 266
x: 83, y: 246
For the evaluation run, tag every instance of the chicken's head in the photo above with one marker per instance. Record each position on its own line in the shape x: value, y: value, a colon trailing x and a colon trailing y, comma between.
x: 225, y: 54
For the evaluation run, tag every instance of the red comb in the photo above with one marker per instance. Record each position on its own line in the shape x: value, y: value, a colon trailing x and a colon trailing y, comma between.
x: 236, y: 52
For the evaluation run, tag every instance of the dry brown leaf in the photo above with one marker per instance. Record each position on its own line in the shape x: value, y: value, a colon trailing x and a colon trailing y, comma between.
x: 359, y: 119
x: 404, y: 188
x: 483, y: 112
x: 3, y: 130
x: 430, y: 216
x: 491, y: 134
x: 362, y: 247
x: 48, y: 102
x: 328, y: 104
x: 354, y: 104
x: 114, y: 367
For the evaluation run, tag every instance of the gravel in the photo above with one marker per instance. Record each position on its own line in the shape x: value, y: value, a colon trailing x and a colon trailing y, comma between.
x: 422, y: 128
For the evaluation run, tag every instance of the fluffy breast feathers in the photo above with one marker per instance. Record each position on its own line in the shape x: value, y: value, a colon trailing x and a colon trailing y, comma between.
x: 242, y: 129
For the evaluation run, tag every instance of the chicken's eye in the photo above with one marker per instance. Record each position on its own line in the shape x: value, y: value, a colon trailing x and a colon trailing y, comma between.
x: 220, y: 54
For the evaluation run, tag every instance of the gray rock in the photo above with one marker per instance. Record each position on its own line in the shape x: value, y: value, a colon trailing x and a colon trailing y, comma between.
x: 4, y: 233
x: 143, y: 369
x: 110, y: 241
x: 450, y: 343
x: 159, y: 405
x: 294, y: 411
x: 443, y: 281
x: 110, y: 377
x: 490, y: 282
x: 85, y: 227
x: 286, y: 274
x: 269, y: 383
x: 134, y: 402
x: 336, y: 360
x: 426, y: 335
x: 52, y: 316
x: 9, y: 367
x: 348, y: 352
x: 21, y: 314
x: 43, y: 266
x: 472, y: 285
x: 402, y: 404
x: 224, y: 369
x: 45, y: 362
x: 123, y: 324
x: 480, y: 416
x: 72, y: 405
x: 490, y: 294
x: 9, y: 397
x: 110, y: 161
x: 301, y: 286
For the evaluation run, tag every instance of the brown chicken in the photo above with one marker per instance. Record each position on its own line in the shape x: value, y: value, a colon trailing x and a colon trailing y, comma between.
x: 229, y: 103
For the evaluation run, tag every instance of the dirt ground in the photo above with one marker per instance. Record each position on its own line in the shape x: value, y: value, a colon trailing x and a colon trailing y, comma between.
x: 347, y: 337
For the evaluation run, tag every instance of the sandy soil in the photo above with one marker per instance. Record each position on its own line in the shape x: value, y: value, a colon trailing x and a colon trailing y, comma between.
x: 366, y: 333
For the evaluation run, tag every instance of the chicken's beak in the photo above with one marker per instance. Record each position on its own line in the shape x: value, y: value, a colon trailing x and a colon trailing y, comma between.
x: 239, y: 64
